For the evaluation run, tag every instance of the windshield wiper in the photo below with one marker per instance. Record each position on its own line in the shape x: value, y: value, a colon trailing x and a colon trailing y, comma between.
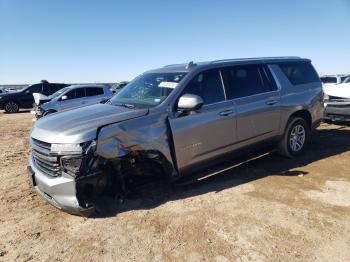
x: 131, y: 106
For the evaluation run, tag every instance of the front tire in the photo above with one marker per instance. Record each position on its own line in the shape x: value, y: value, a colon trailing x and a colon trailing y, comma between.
x: 11, y: 107
x: 295, y: 138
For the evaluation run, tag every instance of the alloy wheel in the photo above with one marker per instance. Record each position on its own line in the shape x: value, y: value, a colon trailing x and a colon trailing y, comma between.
x: 297, y: 138
x: 11, y: 107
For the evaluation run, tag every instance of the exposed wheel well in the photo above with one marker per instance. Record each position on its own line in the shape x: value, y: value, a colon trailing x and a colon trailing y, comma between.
x: 305, y: 115
x: 50, y: 111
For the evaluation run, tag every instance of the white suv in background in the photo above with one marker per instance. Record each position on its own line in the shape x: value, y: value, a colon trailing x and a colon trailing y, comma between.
x: 337, y: 101
x: 333, y: 79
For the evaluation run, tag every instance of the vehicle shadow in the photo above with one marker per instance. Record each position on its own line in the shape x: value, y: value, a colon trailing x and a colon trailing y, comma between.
x: 323, y: 144
x: 19, y: 112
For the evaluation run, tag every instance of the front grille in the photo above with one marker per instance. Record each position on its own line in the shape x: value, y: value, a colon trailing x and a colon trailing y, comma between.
x: 338, y: 99
x: 43, y: 159
x: 339, y: 105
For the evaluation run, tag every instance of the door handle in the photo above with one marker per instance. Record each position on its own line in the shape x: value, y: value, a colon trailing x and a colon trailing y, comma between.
x: 226, y: 113
x: 271, y: 102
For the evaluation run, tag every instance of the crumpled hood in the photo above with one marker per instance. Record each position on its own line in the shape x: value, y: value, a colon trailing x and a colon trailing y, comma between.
x: 340, y: 90
x: 80, y: 125
x: 40, y: 98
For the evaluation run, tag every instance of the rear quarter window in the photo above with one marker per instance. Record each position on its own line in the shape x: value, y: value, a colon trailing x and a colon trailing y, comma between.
x: 299, y: 73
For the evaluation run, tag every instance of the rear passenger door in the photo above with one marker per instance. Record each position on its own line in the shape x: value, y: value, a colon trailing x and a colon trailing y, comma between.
x: 257, y: 101
x: 206, y: 134
x: 75, y: 98
x: 94, y: 95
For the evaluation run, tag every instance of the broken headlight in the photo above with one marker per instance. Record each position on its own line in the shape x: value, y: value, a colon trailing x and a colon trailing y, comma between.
x: 72, y: 165
x: 80, y: 158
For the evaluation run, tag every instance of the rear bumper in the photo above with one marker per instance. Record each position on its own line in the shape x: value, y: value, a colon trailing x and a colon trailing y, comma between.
x: 337, y: 112
x: 58, y: 191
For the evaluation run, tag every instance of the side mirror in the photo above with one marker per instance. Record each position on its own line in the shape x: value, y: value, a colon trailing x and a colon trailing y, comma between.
x: 189, y: 102
x: 27, y: 92
x: 64, y: 98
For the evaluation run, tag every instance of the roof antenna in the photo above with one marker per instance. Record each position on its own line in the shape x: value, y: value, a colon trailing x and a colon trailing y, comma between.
x: 190, y: 65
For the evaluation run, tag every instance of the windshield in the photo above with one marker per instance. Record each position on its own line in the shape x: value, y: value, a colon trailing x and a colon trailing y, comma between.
x: 148, y: 90
x: 347, y: 80
x: 58, y: 93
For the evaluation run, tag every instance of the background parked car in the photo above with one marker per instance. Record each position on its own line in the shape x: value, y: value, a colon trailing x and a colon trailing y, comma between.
x: 71, y: 97
x: 337, y: 101
x: 11, y: 102
x: 118, y: 86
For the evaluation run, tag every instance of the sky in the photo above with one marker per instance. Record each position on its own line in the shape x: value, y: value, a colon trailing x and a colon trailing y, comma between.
x: 109, y: 41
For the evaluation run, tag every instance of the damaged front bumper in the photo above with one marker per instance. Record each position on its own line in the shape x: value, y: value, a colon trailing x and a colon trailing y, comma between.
x: 59, y: 191
x: 337, y: 111
x: 38, y: 111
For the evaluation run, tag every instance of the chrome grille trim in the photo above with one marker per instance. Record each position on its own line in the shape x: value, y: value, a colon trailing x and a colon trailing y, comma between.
x: 43, y: 159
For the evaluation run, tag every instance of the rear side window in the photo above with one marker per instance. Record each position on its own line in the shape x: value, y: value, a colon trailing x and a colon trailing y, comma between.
x: 56, y: 87
x: 299, y: 73
x: 242, y: 81
x: 208, y: 86
x: 94, y: 91
x: 37, y: 88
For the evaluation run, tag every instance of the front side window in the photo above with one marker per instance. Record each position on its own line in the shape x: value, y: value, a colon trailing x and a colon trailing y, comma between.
x: 79, y: 92
x: 343, y: 78
x: 208, y: 86
x: 148, y: 90
x: 347, y: 80
x: 94, y: 91
x: 299, y: 73
x: 58, y: 93
x: 70, y: 94
x: 243, y: 81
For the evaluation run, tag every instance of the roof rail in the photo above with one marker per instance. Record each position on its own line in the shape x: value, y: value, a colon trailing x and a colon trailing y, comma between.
x: 172, y: 65
x: 254, y: 58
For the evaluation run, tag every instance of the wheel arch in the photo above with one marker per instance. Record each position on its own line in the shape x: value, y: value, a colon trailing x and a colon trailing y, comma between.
x: 304, y: 114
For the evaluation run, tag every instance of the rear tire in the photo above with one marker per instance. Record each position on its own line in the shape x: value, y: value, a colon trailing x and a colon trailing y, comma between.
x: 295, y: 138
x: 11, y: 107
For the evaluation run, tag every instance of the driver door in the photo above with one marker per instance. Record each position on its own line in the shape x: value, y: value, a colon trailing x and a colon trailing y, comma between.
x: 204, y: 135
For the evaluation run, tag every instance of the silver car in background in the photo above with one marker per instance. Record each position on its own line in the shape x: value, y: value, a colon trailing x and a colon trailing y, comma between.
x: 174, y: 121
x: 71, y: 97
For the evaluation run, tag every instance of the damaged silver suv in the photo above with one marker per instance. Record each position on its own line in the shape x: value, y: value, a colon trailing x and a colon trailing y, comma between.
x: 171, y: 122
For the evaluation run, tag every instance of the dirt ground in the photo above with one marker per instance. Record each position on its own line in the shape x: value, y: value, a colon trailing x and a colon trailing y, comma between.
x: 271, y: 209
